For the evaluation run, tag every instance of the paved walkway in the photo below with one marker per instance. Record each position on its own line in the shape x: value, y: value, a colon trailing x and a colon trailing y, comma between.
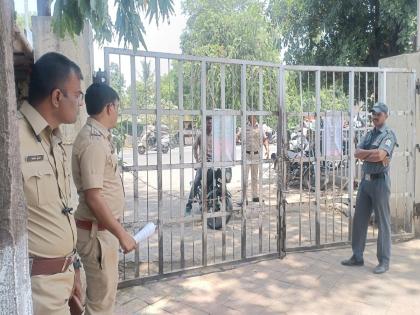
x: 302, y: 283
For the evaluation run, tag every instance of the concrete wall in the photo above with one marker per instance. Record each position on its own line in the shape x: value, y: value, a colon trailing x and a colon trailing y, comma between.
x: 399, y: 96
x: 80, y: 50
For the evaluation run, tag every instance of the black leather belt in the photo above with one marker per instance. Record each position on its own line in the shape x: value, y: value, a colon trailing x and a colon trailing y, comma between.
x: 249, y: 152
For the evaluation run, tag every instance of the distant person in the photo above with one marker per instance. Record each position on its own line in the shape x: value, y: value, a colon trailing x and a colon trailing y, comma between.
x: 197, y: 151
x: 255, y: 140
x: 268, y: 131
x: 375, y: 149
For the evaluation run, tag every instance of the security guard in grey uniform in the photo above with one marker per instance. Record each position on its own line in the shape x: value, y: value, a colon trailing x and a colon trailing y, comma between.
x: 375, y: 149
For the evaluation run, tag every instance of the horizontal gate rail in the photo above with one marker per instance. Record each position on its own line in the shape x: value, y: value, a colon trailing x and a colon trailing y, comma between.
x: 314, y: 193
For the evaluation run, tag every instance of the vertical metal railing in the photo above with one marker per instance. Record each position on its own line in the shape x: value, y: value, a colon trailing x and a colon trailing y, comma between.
x: 315, y: 212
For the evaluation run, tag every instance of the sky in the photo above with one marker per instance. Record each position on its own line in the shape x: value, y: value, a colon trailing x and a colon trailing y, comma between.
x: 165, y: 38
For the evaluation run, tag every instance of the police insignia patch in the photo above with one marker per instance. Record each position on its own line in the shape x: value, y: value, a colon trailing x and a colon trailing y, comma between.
x: 388, y: 143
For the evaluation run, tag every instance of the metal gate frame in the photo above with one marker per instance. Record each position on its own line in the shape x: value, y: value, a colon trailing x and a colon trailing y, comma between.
x: 281, y: 144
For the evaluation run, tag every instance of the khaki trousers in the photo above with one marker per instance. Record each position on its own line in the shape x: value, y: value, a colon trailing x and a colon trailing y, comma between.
x: 51, y: 293
x: 98, y: 251
x: 254, y: 158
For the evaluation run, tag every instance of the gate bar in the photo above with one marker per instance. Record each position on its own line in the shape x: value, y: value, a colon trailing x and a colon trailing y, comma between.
x: 152, y: 54
x: 204, y: 161
x: 181, y: 156
x: 351, y: 153
x: 244, y: 168
x: 159, y: 163
x: 317, y: 158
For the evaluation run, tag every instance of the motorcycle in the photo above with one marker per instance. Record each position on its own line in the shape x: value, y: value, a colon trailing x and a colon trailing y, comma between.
x: 306, y: 170
x: 300, y: 148
x: 214, y: 196
x: 148, y: 140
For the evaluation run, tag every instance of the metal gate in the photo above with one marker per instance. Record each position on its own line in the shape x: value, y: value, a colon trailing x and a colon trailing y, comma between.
x: 165, y: 99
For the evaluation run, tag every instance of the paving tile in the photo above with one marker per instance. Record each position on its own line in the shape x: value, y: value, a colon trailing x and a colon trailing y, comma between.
x: 301, y: 283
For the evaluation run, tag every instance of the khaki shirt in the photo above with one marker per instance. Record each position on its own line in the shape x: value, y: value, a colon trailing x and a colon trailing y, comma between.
x: 95, y: 165
x: 254, y: 138
x: 46, y: 185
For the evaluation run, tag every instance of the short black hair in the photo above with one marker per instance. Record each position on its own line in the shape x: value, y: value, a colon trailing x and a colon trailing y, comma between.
x: 98, y: 95
x: 50, y: 72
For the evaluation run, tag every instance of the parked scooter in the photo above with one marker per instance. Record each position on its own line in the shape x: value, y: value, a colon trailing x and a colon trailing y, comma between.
x: 214, y: 196
x: 148, y: 140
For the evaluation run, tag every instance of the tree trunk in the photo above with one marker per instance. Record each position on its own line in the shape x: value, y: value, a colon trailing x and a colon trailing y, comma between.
x: 15, y: 288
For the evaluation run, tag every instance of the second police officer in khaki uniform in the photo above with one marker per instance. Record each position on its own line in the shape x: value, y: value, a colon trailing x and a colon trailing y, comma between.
x: 101, y: 200
x: 255, y: 138
x: 54, y: 98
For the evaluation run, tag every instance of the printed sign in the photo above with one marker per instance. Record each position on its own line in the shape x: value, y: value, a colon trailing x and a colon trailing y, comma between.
x: 224, y: 139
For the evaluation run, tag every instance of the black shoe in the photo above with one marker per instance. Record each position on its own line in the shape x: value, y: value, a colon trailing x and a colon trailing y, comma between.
x: 352, y: 262
x: 256, y: 199
x: 381, y: 268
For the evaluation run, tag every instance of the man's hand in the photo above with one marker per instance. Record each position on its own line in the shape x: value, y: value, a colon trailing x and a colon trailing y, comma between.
x: 386, y: 161
x: 78, y: 285
x: 127, y: 243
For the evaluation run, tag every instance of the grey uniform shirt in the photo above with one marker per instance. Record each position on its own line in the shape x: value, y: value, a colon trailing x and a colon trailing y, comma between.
x: 382, y: 139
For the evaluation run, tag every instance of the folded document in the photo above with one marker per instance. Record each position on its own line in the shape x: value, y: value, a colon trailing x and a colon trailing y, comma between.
x: 145, y: 232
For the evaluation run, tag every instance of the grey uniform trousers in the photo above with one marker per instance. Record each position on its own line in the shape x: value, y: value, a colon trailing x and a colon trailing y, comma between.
x: 373, y: 195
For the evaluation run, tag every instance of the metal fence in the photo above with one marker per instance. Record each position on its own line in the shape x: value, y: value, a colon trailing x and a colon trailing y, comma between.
x: 302, y: 191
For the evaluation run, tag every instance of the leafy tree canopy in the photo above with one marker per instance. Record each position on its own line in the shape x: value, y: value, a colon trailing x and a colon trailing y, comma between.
x: 228, y: 28
x: 343, y: 32
x: 69, y: 17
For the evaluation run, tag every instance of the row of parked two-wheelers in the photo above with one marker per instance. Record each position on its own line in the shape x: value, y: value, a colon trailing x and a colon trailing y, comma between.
x: 300, y: 157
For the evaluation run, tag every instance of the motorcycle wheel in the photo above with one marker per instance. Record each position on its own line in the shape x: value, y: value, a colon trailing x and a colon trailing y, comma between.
x: 309, y: 179
x: 141, y: 149
x: 216, y: 223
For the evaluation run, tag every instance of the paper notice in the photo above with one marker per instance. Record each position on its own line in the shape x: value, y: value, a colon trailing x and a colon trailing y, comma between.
x: 145, y: 232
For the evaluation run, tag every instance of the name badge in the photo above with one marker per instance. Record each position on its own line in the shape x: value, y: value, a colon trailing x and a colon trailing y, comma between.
x: 34, y: 158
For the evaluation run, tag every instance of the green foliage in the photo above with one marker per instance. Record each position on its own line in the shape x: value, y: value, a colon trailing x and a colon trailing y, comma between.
x: 228, y: 28
x: 69, y: 17
x: 117, y: 82
x: 343, y: 32
x: 20, y: 20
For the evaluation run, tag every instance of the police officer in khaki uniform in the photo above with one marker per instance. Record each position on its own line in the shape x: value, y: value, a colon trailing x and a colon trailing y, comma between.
x: 255, y: 136
x: 101, y: 200
x: 54, y: 98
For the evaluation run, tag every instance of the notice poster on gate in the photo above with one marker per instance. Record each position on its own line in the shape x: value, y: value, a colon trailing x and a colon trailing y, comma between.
x: 333, y: 134
x: 224, y: 138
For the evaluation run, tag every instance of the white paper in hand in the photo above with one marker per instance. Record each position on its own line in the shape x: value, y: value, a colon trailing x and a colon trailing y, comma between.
x: 145, y: 232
